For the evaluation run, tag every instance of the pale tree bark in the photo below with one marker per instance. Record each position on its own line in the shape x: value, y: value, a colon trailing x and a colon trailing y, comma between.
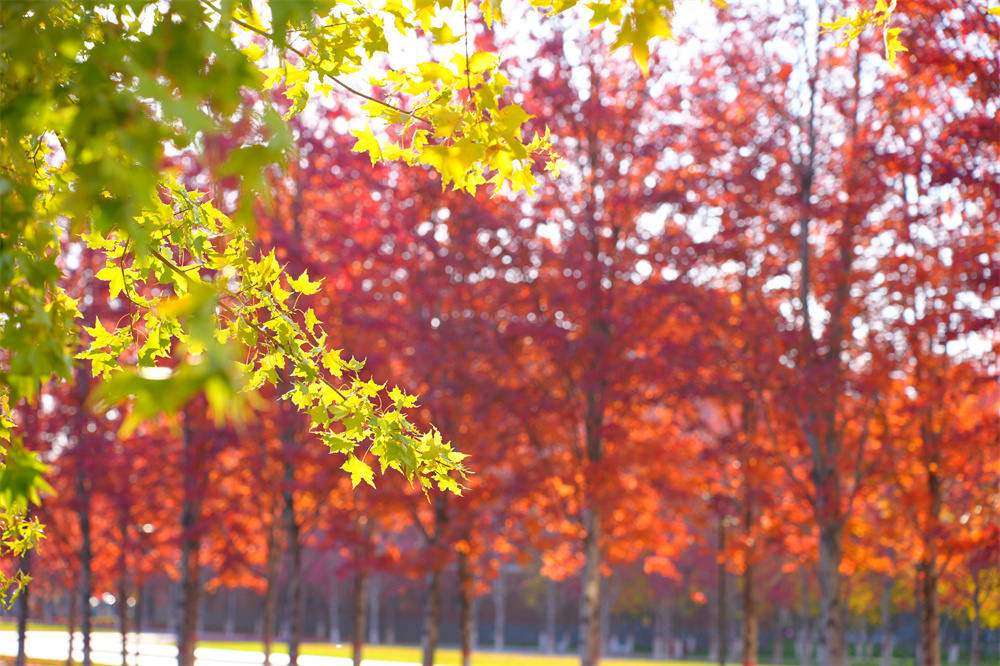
x: 124, y: 521
x: 550, y: 616
x: 499, y: 610
x: 360, y: 615
x: 887, y: 639
x: 123, y: 598
x: 606, y: 603
x: 145, y: 605
x: 862, y: 651
x: 722, y: 622
x: 202, y: 602
x: 750, y: 620
x: 661, y: 628
x: 465, y: 589
x: 172, y: 596
x: 73, y: 603
x: 974, y: 648
x: 805, y: 640
x: 919, y: 596
x: 232, y: 598
x: 778, y: 654
x: 475, y: 623
x: 141, y: 619
x: 374, y: 597
x: 333, y: 609
x: 390, y: 623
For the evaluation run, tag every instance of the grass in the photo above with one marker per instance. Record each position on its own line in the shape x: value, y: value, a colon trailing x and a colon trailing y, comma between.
x: 32, y: 626
x: 7, y: 625
x: 448, y: 656
x: 444, y: 656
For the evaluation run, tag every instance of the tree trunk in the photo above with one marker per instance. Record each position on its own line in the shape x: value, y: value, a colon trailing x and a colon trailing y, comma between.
x: 293, y: 529
x: 721, y: 626
x: 22, y: 612
x: 930, y: 633
x: 862, y: 652
x: 146, y: 603
x: 919, y: 596
x: 432, y: 616
x: 779, y: 638
x: 123, y: 603
x: 750, y: 623
x: 605, y: 617
x: 806, y: 646
x: 590, y: 611
x: 86, y: 585
x: 294, y: 570
x: 172, y: 602
x: 190, y: 565
x: 73, y: 602
x: 550, y: 616
x: 499, y: 610
x: 271, y: 594
x: 334, y: 608
x: 805, y: 642
x: 831, y: 632
x: 465, y: 590
x: 360, y: 615
x: 931, y: 620
x: 374, y: 595
x: 141, y: 619
x: 189, y: 600
x: 390, y: 623
x: 232, y: 597
x: 886, y: 622
x: 974, y: 648
x: 661, y: 629
x: 202, y: 601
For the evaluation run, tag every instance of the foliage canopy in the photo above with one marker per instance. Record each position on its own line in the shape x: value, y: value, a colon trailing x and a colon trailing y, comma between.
x: 94, y: 97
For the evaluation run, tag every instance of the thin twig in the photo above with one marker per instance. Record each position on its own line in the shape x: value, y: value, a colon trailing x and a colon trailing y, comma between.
x: 301, y: 54
x: 256, y: 327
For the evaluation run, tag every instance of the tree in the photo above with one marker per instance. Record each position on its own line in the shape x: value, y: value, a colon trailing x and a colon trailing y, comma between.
x: 592, y: 319
x: 94, y: 95
x: 816, y: 178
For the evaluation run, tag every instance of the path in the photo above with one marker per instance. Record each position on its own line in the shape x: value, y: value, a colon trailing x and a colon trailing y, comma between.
x: 154, y: 650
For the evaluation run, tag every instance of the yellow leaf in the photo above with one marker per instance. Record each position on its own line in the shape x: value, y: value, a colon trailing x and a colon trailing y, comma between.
x: 482, y: 61
x: 253, y: 52
x: 294, y: 75
x: 367, y: 143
